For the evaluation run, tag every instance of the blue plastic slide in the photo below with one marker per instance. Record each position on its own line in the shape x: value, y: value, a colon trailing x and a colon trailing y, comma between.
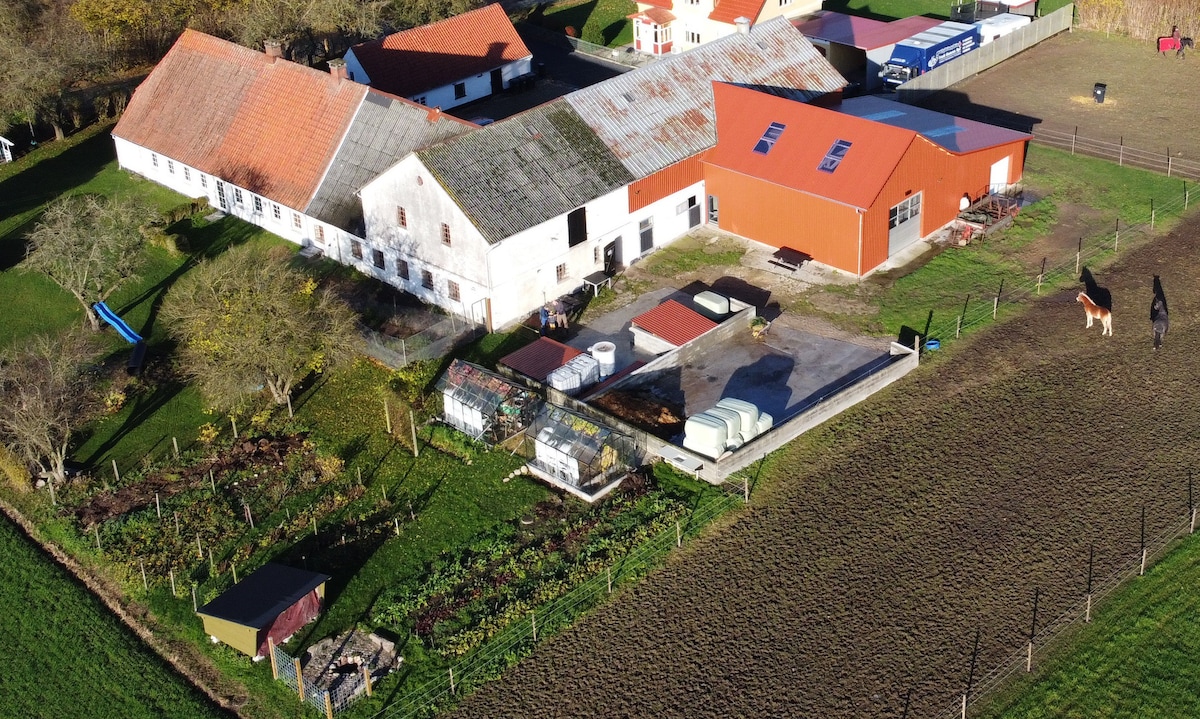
x: 118, y: 324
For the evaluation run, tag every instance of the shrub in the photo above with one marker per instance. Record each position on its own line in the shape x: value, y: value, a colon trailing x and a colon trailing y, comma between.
x: 15, y: 470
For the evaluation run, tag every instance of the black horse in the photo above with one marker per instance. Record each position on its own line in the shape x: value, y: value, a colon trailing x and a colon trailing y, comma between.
x: 1161, y: 325
x: 1179, y: 45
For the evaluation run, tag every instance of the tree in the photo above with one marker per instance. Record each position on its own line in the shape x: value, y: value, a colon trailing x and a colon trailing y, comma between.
x: 45, y: 394
x: 247, y: 320
x: 314, y: 21
x: 90, y: 245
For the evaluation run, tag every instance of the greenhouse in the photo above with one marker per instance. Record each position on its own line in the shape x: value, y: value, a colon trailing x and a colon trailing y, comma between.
x: 484, y: 405
x: 576, y: 454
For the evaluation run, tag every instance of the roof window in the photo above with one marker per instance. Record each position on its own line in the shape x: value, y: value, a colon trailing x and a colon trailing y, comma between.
x: 834, y: 157
x: 767, y: 141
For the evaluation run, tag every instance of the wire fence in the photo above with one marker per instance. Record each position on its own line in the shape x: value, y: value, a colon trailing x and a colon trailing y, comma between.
x: 519, y: 639
x: 1172, y: 165
x: 1021, y: 661
x: 288, y: 670
x: 1016, y: 290
x: 433, y: 342
x: 625, y: 55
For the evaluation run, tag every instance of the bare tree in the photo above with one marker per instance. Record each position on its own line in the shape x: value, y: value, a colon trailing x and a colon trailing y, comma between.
x: 45, y: 394
x: 248, y: 320
x: 90, y: 245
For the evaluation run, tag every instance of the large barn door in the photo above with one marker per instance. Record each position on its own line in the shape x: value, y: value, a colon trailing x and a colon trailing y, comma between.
x: 998, y: 182
x: 904, y: 224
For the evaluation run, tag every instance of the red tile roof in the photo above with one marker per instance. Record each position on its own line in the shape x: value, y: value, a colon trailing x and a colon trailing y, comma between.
x: 271, y: 127
x: 654, y: 15
x: 423, y: 58
x: 539, y: 358
x: 809, y: 132
x: 674, y: 323
x: 729, y: 10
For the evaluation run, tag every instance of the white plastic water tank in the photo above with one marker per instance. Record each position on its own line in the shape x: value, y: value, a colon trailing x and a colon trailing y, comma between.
x: 565, y: 379
x: 747, y: 410
x: 587, y: 367
x: 606, y: 354
x: 705, y: 434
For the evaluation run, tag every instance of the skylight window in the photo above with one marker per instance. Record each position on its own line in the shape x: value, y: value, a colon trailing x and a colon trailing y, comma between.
x: 834, y: 157
x: 767, y: 141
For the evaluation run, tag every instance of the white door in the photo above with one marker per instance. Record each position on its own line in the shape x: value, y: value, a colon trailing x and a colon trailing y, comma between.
x: 904, y: 224
x: 999, y: 178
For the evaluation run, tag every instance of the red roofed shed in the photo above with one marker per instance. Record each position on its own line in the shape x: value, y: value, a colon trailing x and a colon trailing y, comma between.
x: 539, y: 358
x: 670, y: 322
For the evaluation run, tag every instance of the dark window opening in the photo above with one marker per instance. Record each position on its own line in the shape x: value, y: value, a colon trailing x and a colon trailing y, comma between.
x: 576, y: 227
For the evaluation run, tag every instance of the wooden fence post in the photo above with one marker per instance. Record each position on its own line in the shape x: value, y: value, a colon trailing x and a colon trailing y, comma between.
x: 175, y: 444
x: 1151, y: 213
x: 299, y: 677
x: 212, y: 483
x: 145, y: 584
x: 176, y: 524
x: 233, y: 567
x: 608, y: 570
x: 533, y: 623
x: 678, y: 535
x: 172, y: 575
x: 195, y: 606
x: 116, y: 474
x: 412, y: 422
x: 271, y: 653
x: 452, y: 680
x: 96, y: 527
x: 328, y: 706
x: 157, y: 506
x: 367, y: 678
x: 387, y: 416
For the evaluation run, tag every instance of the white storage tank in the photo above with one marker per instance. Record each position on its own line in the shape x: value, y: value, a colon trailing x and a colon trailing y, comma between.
x: 606, y: 354
x: 565, y: 379
x: 587, y: 367
x: 705, y: 434
x: 765, y: 422
x: 748, y: 411
x: 713, y: 306
x: 732, y: 420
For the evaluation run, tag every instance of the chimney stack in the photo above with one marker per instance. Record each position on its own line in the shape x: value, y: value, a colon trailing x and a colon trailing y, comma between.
x: 743, y: 25
x: 337, y: 68
x: 274, y: 49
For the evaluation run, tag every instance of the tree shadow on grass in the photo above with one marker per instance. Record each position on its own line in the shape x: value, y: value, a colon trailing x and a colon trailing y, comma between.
x: 144, y: 407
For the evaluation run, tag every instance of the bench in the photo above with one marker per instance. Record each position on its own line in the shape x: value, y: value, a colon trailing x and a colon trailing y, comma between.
x: 789, y: 259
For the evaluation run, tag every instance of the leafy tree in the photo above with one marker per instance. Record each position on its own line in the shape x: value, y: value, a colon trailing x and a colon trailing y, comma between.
x: 290, y: 21
x: 248, y: 319
x: 45, y: 394
x: 90, y: 245
x: 413, y: 13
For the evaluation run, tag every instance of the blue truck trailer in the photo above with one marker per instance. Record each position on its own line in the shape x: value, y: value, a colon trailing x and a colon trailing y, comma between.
x: 926, y: 50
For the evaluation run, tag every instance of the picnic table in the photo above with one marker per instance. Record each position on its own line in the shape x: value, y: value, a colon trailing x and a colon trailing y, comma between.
x: 596, y: 280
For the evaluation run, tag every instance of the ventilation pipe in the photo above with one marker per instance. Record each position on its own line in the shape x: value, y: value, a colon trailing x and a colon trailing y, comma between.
x: 743, y: 25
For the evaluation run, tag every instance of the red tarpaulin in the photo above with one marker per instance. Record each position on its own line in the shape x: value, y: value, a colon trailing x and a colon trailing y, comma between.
x: 286, y: 624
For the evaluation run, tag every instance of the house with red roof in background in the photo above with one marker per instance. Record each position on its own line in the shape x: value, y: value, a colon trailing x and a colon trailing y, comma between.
x: 446, y: 63
x: 661, y: 27
x: 853, y: 184
x: 278, y: 144
x: 858, y: 46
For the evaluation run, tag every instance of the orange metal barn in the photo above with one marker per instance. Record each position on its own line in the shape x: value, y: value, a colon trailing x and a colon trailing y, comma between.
x: 853, y: 185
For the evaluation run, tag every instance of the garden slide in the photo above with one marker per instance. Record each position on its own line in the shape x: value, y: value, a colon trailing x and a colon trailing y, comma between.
x: 118, y: 324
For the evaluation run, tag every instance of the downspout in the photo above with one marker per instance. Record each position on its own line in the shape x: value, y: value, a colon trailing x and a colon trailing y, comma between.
x: 860, y: 240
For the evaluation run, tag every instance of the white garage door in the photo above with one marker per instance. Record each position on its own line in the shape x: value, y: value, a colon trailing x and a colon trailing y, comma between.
x: 904, y: 224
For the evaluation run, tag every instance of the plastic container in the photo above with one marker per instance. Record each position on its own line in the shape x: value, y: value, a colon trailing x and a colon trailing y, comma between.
x: 933, y: 344
x: 705, y: 434
x: 587, y: 368
x: 748, y: 411
x: 606, y: 354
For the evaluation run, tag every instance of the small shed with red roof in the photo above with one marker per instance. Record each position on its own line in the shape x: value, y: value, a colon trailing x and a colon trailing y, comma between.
x: 446, y: 63
x: 668, y: 326
x: 539, y: 358
x: 852, y: 185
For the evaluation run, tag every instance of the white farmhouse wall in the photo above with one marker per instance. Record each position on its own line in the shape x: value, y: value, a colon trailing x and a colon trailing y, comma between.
x: 477, y: 87
x: 354, y: 69
x: 669, y: 218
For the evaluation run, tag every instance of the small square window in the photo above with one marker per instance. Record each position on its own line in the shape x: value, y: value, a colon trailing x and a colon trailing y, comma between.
x: 275, y: 211
x: 427, y: 279
x: 171, y: 166
x: 204, y: 181
x: 377, y: 259
x: 319, y: 236
x: 460, y: 90
x: 356, y: 249
x: 187, y: 174
x: 560, y: 272
x: 296, y: 220
x: 401, y: 217
x: 402, y: 269
x: 452, y: 290
x: 154, y: 159
x: 445, y: 234
x: 258, y: 204
x: 237, y: 195
x: 421, y: 100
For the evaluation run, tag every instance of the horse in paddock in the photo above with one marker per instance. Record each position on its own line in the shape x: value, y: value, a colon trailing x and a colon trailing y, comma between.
x: 1096, y: 312
x: 1179, y: 44
x: 1161, y: 325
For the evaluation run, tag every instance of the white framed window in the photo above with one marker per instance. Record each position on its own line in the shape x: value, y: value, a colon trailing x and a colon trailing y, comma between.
x: 445, y: 234
x: 427, y: 279
x: 171, y: 166
x: 319, y: 236
x: 401, y: 217
x: 560, y: 272
x: 204, y: 181
x: 296, y: 220
x: 237, y: 195
x: 275, y: 212
x: 692, y: 37
x: 258, y: 204
x: 187, y: 174
x: 154, y: 159
x: 905, y: 211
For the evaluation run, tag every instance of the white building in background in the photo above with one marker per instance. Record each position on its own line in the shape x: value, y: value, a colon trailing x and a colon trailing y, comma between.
x: 447, y: 63
x: 662, y: 27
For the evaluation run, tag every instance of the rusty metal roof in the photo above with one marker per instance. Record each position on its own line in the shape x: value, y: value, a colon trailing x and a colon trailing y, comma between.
x: 662, y: 113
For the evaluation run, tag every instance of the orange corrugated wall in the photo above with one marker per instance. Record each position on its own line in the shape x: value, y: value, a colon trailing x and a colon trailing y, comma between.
x: 783, y: 217
x: 670, y: 179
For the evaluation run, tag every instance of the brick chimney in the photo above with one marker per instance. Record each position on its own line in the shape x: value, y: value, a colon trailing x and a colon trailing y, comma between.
x: 274, y: 49
x: 337, y: 68
x: 743, y: 25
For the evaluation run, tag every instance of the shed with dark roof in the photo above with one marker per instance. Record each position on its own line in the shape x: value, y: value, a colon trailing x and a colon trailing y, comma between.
x: 273, y: 602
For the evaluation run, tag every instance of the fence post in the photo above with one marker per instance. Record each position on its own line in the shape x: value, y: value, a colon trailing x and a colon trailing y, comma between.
x: 1117, y: 231
x: 157, y: 506
x: 412, y: 422
x: 957, y: 326
x: 212, y: 483
x: 116, y: 474
x: 233, y: 423
x: 96, y: 527
x: 271, y: 651
x: 1121, y: 153
x: 452, y: 680
x: 195, y: 606
x: 328, y: 706
x: 387, y: 416
x: 1143, y: 570
x: 1073, y: 136
x: 1078, y: 255
x: 1151, y: 213
x: 1186, y: 193
x: 533, y: 623
x: 367, y: 678
x: 608, y: 570
x: 172, y: 574
x: 175, y: 443
x: 299, y: 678
x: 678, y: 535
x: 233, y: 567
x: 1032, y: 631
x: 289, y: 401
x: 176, y: 524
x: 1087, y: 616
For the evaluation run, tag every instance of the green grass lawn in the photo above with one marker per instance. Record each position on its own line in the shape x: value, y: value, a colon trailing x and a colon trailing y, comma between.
x: 1136, y: 659
x: 894, y: 9
x: 603, y: 22
x: 68, y: 656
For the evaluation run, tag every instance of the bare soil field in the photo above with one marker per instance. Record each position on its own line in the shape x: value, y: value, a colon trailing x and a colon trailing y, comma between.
x: 1150, y: 101
x: 878, y: 544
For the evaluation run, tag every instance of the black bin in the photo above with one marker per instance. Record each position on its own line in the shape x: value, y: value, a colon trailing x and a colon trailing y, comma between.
x: 1098, y: 92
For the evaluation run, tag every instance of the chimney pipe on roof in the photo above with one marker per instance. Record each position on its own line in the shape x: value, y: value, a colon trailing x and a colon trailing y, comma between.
x: 337, y: 68
x: 743, y: 25
x: 274, y: 49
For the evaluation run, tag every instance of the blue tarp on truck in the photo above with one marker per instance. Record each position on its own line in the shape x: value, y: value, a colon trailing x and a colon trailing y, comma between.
x: 926, y: 50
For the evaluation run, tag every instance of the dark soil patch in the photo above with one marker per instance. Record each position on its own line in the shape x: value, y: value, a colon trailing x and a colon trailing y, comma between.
x: 644, y: 410
x: 882, y: 542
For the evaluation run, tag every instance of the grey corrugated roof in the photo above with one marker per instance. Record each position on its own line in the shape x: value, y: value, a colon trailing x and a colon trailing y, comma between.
x: 384, y: 130
x: 662, y: 113
x: 956, y: 134
x: 520, y: 172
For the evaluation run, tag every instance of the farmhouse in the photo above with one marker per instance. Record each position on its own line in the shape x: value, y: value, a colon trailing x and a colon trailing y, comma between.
x: 493, y: 223
x: 661, y: 27
x: 278, y: 144
x: 447, y: 63
x: 270, y: 604
x: 852, y: 185
x: 859, y: 46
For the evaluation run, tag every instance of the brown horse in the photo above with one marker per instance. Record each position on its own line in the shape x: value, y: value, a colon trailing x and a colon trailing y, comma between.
x: 1096, y: 312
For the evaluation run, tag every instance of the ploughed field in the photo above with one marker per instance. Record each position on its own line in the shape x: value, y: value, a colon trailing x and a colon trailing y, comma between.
x: 878, y: 544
